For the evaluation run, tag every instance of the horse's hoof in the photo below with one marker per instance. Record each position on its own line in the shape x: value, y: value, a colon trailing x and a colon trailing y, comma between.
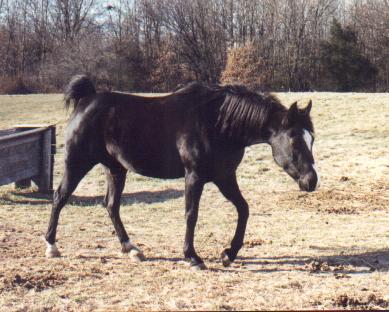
x: 136, y: 255
x: 225, y: 259
x: 52, y: 252
x: 134, y: 252
x: 198, y: 267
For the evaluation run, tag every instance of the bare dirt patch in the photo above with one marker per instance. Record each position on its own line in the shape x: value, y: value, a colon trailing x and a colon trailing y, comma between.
x: 370, y: 302
x: 38, y: 281
x: 323, y: 250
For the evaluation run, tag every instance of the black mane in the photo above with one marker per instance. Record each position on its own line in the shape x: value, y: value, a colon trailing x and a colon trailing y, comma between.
x: 244, y: 113
x: 241, y: 113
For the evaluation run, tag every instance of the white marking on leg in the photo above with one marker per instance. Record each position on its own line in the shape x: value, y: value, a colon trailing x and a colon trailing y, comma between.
x: 307, y: 136
x: 225, y: 259
x: 134, y: 252
x: 52, y: 250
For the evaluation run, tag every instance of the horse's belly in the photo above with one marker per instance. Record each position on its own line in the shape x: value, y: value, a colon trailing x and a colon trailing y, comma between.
x: 162, y: 174
x: 163, y: 164
x: 145, y: 144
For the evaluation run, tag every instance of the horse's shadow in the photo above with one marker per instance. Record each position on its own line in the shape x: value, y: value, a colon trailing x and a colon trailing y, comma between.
x: 341, y: 266
x: 149, y: 197
x: 338, y: 264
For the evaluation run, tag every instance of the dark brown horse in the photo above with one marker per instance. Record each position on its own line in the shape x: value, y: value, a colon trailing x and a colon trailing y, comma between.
x: 198, y: 132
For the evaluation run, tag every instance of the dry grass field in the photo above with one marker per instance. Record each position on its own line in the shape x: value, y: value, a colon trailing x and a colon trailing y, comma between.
x: 323, y: 250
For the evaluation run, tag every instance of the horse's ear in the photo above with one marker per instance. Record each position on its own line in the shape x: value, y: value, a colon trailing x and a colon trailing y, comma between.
x: 307, y: 109
x: 291, y: 115
x: 293, y: 111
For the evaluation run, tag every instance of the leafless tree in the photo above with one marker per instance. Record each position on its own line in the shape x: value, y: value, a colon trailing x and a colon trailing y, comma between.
x: 150, y: 45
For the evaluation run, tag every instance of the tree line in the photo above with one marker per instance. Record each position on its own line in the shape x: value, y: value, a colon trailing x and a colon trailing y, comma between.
x: 159, y: 45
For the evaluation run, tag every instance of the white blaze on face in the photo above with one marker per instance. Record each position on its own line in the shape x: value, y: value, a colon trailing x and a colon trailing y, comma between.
x: 309, y: 140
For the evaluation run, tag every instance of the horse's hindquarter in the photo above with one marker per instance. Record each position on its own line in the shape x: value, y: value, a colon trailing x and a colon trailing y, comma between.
x: 142, y: 137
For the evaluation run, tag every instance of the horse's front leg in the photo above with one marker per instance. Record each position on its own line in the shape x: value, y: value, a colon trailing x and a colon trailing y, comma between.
x: 193, y: 189
x: 230, y: 189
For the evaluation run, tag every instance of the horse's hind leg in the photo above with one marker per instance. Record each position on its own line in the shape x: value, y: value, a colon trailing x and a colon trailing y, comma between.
x: 116, y: 178
x: 72, y: 176
x: 230, y: 189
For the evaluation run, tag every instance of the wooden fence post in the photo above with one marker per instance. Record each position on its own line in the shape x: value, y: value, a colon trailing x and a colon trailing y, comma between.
x: 44, y: 180
x: 45, y: 183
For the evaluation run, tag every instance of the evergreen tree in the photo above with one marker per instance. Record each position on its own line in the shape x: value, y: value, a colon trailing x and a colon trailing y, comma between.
x: 343, y: 63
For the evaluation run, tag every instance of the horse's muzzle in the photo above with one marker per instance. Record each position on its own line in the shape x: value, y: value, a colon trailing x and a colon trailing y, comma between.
x: 309, y: 182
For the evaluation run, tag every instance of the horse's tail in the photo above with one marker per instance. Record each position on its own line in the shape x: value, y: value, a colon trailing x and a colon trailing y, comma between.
x: 80, y: 86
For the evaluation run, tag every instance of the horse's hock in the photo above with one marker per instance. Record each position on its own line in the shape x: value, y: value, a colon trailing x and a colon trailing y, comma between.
x: 27, y: 153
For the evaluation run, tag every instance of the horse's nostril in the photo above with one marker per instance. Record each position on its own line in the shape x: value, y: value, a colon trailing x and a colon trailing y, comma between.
x: 308, y: 182
x: 311, y: 189
x: 303, y: 186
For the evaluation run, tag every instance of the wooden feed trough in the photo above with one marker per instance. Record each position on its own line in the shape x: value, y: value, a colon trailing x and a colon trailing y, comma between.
x: 27, y: 153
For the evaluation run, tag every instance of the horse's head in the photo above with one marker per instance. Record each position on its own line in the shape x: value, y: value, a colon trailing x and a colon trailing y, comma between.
x: 291, y: 141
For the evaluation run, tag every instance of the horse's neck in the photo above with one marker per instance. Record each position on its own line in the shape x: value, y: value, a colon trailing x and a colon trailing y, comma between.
x: 262, y: 136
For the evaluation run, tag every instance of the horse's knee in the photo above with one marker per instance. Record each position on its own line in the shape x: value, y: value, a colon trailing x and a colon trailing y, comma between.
x: 57, y: 198
x: 243, y: 209
x: 113, y: 211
